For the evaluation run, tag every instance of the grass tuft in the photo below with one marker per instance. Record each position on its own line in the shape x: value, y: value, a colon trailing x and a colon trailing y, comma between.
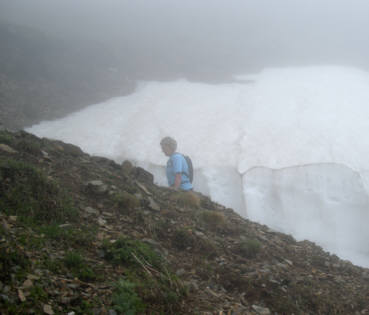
x: 131, y: 252
x: 187, y: 199
x: 213, y: 220
x: 249, y: 248
x: 125, y: 300
x: 126, y: 201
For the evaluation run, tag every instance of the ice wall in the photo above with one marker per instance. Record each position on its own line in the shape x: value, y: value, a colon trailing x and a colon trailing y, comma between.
x: 324, y: 203
x: 275, y: 119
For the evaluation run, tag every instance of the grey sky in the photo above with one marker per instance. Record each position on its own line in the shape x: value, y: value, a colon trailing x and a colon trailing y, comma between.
x: 230, y: 33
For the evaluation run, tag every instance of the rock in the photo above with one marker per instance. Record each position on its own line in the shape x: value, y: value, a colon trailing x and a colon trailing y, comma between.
x: 47, y: 309
x: 261, y: 310
x: 127, y: 167
x: 13, y: 218
x: 141, y: 186
x: 199, y: 234
x: 8, y: 149
x: 97, y: 186
x: 151, y: 242
x: 21, y: 296
x: 282, y: 266
x: 153, y: 205
x: 238, y: 310
x: 65, y: 225
x: 101, y: 221
x: 27, y: 284
x: 45, y: 154
x: 180, y: 272
x: 32, y: 277
x: 211, y: 292
x: 91, y: 211
x: 65, y: 300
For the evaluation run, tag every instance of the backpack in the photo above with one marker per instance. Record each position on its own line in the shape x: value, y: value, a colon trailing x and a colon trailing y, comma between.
x: 190, y: 167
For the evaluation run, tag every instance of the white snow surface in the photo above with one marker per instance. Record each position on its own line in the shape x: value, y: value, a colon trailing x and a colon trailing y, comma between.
x: 284, y: 147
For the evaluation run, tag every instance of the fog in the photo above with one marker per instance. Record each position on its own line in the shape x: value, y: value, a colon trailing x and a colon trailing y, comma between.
x: 209, y: 39
x: 282, y: 129
x: 288, y: 150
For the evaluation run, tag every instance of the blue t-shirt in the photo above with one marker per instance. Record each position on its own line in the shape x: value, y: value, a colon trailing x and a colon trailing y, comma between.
x: 177, y: 164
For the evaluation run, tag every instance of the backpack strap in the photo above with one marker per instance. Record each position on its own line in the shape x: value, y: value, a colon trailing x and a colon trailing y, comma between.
x: 188, y: 167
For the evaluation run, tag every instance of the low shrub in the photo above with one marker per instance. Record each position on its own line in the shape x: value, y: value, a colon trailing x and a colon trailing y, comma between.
x: 146, y: 271
x: 213, y: 220
x: 75, y: 263
x: 10, y: 257
x: 28, y: 193
x: 125, y: 300
x: 187, y: 199
x: 69, y: 235
x: 126, y: 201
x: 73, y: 260
x: 249, y: 248
x: 6, y: 137
x: 131, y: 252
x: 29, y: 146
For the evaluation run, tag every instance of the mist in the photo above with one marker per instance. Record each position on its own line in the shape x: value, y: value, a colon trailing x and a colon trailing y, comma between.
x: 205, y: 40
x: 286, y: 150
x: 248, y: 75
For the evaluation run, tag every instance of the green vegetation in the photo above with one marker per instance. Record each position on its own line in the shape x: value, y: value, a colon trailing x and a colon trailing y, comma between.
x: 12, y: 260
x: 54, y: 265
x: 31, y: 241
x: 249, y: 248
x: 213, y: 220
x: 187, y: 199
x: 131, y: 252
x: 36, y: 298
x: 73, y: 260
x: 70, y: 235
x: 125, y: 300
x: 30, y: 146
x: 6, y: 137
x: 37, y: 293
x: 146, y: 273
x: 126, y: 201
x: 75, y: 263
x: 26, y: 192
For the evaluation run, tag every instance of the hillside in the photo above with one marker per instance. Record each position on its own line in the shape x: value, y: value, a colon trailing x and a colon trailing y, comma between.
x: 83, y: 235
x: 44, y: 78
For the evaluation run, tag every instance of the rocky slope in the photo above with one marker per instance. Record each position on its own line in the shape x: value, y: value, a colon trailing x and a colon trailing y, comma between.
x: 83, y: 235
